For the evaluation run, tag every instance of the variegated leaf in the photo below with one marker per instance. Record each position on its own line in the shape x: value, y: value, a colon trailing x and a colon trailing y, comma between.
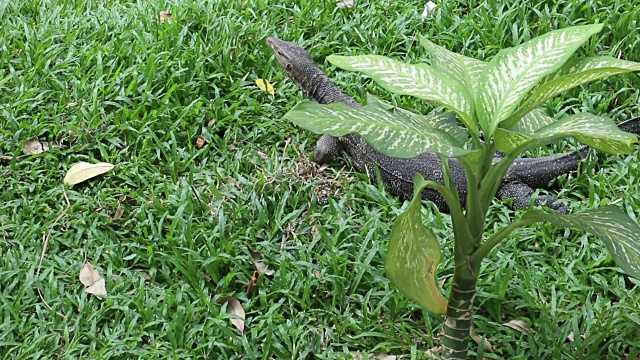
x: 515, y: 71
x: 532, y: 122
x: 447, y: 122
x: 413, y: 255
x: 419, y: 80
x: 595, y: 131
x: 619, y: 232
x: 574, y: 73
x: 392, y: 134
x: 463, y: 69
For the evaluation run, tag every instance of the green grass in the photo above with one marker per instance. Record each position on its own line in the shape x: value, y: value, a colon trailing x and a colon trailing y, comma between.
x: 147, y: 91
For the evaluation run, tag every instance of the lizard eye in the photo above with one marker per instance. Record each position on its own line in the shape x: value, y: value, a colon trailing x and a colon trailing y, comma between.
x: 289, y: 67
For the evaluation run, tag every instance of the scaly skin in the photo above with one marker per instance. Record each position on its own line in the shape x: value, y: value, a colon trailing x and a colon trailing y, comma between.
x: 524, y: 175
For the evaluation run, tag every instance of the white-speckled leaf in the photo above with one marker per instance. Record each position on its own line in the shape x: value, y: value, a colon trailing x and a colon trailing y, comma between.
x: 532, y: 122
x: 595, y: 131
x: 512, y: 73
x: 413, y: 256
x: 447, y: 122
x: 419, y: 80
x: 390, y: 133
x: 575, y: 72
x: 619, y: 232
x: 463, y: 69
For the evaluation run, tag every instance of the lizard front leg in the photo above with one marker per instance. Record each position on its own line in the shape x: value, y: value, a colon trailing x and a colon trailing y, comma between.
x: 522, y: 193
x: 327, y: 148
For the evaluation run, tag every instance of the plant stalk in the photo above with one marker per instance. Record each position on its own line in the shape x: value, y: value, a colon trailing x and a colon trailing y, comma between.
x: 455, y: 342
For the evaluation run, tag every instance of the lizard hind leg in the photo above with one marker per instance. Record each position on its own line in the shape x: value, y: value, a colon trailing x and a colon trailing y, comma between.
x: 327, y: 148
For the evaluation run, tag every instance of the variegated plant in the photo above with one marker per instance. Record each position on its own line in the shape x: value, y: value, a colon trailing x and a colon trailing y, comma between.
x: 500, y: 99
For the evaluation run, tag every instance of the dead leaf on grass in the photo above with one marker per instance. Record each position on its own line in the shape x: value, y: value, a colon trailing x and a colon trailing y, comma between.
x: 345, y: 4
x: 119, y: 213
x: 93, y: 282
x: 234, y: 308
x: 257, y: 260
x: 6, y: 158
x: 364, y: 356
x: 428, y: 8
x: 201, y: 141
x: 253, y: 283
x: 83, y: 171
x: 518, y: 325
x: 165, y: 16
x: 572, y: 337
x: 477, y: 338
x: 317, y: 274
x: 265, y: 86
x: 211, y: 122
x: 433, y: 352
x: 34, y: 146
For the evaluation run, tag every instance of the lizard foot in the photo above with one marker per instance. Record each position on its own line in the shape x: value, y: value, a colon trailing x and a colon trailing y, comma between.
x: 522, y: 195
x: 326, y: 149
x: 552, y: 203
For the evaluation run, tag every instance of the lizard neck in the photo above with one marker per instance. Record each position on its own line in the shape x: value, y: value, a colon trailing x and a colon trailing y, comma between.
x: 317, y: 86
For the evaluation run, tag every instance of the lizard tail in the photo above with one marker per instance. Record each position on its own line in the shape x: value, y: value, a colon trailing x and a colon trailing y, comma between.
x: 631, y: 125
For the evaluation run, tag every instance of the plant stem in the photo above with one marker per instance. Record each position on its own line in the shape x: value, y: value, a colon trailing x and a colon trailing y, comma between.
x: 494, y: 240
x: 455, y: 342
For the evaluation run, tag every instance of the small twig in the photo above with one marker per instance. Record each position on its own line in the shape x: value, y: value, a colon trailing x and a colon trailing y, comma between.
x: 286, y: 145
x: 48, y: 306
x: 195, y: 192
x: 45, y: 243
x: 47, y: 236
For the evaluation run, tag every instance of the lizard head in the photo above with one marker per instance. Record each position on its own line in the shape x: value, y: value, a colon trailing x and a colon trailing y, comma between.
x: 291, y: 56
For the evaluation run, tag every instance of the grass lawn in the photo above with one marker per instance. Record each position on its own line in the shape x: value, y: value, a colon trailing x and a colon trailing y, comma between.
x: 169, y: 227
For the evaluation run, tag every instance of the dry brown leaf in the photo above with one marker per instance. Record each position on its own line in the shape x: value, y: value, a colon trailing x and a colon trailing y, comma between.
x: 428, y: 8
x: 71, y: 104
x: 572, y: 337
x: 265, y: 86
x: 345, y: 4
x: 119, y: 213
x: 260, y: 266
x: 211, y: 122
x: 286, y: 145
x: 92, y: 280
x: 477, y: 338
x: 201, y: 141
x: 34, y: 146
x: 6, y: 158
x: 433, y: 352
x: 518, y: 325
x: 83, y: 171
x: 364, y: 356
x: 165, y: 16
x: 234, y: 308
x: 317, y: 274
x: 253, y: 283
